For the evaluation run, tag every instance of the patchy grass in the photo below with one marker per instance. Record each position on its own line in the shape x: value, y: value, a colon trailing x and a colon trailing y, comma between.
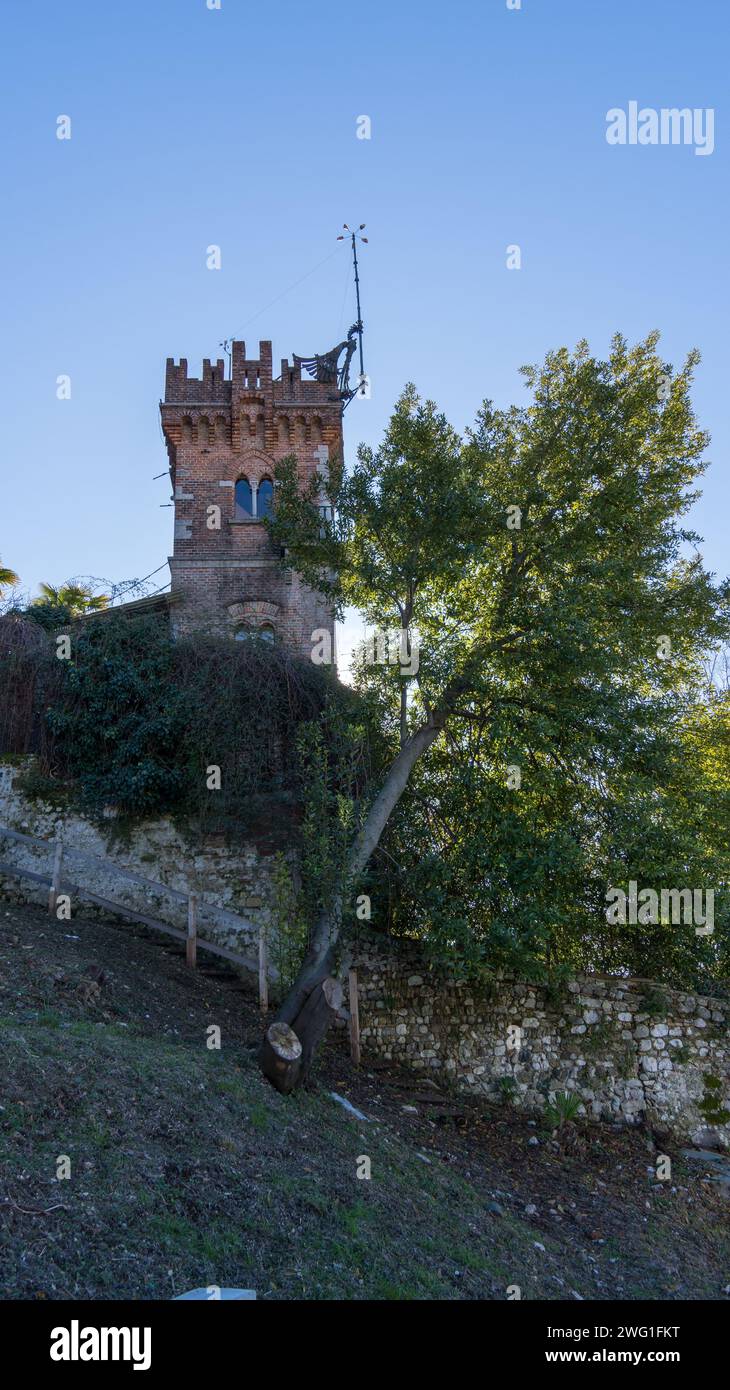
x: 188, y: 1169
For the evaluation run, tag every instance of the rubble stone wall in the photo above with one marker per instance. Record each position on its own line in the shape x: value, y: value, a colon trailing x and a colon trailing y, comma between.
x: 631, y: 1050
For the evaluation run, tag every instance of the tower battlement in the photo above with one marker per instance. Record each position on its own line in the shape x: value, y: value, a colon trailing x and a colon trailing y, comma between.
x: 247, y: 374
x: 212, y: 386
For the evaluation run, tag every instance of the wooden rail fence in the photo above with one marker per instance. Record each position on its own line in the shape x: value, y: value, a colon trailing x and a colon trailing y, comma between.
x: 58, y: 883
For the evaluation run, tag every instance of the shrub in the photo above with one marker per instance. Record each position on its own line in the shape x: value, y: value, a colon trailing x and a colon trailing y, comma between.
x: 655, y: 1003
x: 507, y: 1087
x: 711, y: 1106
x: 563, y: 1109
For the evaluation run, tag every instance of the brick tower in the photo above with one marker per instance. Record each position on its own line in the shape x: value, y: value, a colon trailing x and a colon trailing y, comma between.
x: 224, y: 438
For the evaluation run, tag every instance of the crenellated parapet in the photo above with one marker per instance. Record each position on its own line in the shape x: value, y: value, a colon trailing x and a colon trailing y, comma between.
x: 249, y: 375
x: 249, y: 409
x: 211, y: 387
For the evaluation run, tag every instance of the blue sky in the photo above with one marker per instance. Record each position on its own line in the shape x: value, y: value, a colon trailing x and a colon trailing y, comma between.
x: 237, y: 127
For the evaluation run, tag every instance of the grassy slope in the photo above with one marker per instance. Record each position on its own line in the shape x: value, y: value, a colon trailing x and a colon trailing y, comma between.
x: 187, y: 1169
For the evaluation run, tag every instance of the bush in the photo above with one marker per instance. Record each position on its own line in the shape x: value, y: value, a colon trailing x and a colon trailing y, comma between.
x: 134, y: 721
x: 563, y: 1109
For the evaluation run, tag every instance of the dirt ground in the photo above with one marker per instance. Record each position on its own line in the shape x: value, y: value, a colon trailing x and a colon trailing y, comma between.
x: 187, y: 1169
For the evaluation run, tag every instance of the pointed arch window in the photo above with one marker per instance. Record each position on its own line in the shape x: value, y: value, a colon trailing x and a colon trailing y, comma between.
x: 265, y: 498
x: 244, y: 499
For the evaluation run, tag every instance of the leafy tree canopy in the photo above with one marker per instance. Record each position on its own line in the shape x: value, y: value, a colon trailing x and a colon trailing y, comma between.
x: 563, y: 615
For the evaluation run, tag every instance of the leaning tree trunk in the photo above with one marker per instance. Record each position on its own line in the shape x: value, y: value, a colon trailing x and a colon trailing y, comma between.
x: 315, y: 998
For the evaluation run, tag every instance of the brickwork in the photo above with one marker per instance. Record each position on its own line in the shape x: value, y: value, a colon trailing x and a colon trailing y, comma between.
x: 229, y: 577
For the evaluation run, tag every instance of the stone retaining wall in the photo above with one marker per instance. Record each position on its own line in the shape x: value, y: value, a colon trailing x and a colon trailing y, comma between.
x: 631, y: 1050
x: 237, y: 879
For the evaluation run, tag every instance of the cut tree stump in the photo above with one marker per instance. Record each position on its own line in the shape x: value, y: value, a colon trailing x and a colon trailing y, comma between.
x: 287, y: 1051
x: 281, y: 1057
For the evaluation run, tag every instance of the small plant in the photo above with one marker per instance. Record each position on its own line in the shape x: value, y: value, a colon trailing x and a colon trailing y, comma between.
x: 485, y: 982
x: 626, y: 1061
x: 556, y: 993
x: 38, y: 786
x: 49, y: 1018
x: 507, y: 1087
x: 288, y: 941
x: 711, y: 1106
x: 563, y: 1109
x: 679, y: 1053
x: 655, y: 1003
x: 258, y: 1115
x: 352, y: 1216
x: 600, y: 1037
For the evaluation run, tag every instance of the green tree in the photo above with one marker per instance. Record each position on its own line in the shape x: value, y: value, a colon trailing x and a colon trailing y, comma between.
x: 8, y: 577
x: 520, y: 881
x: 541, y: 564
x: 75, y: 598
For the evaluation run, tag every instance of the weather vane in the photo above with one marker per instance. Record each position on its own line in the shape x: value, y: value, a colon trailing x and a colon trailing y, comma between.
x: 354, y: 236
x: 227, y: 346
x: 325, y: 365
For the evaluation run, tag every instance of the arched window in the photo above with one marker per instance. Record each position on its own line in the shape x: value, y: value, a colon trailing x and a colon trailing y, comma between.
x: 265, y: 498
x: 244, y: 499
x: 266, y: 633
x: 242, y: 634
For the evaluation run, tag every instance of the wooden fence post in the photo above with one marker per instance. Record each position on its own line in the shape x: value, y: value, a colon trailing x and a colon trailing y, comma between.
x: 191, y: 945
x: 354, y: 1019
x: 263, y: 970
x: 55, y: 877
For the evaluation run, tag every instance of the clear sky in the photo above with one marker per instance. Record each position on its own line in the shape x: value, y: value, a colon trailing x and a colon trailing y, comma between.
x: 193, y: 126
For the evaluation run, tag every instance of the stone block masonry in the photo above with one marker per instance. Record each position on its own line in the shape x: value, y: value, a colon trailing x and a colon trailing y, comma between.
x: 631, y: 1050
x: 238, y: 879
